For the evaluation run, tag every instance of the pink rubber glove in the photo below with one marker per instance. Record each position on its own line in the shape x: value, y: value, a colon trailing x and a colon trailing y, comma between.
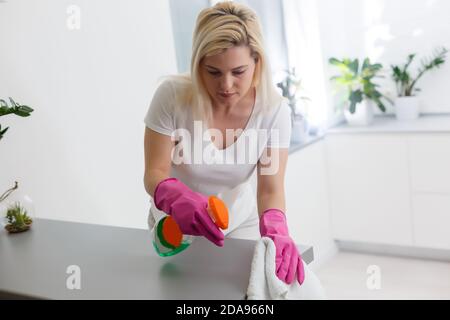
x: 288, y: 260
x: 188, y: 208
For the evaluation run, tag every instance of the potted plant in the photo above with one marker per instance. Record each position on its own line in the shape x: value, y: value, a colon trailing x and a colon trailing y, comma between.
x: 18, y: 220
x: 359, y: 91
x: 291, y: 88
x: 15, y: 208
x: 407, y: 103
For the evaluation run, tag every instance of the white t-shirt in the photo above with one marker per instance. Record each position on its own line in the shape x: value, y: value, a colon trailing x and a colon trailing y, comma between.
x: 204, y: 168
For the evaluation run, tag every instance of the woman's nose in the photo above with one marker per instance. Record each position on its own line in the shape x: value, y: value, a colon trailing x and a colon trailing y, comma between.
x: 226, y: 83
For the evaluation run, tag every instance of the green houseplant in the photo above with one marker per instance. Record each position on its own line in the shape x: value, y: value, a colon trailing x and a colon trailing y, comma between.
x: 356, y: 83
x: 292, y: 89
x: 16, y: 108
x: 14, y: 207
x: 407, y: 103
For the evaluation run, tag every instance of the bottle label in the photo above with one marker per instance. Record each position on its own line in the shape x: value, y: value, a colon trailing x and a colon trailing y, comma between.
x: 162, y: 247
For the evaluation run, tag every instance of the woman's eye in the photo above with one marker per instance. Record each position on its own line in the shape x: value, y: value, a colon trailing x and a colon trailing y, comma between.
x: 217, y: 73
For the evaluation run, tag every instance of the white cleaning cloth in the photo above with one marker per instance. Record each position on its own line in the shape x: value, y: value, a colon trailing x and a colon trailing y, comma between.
x: 265, y: 285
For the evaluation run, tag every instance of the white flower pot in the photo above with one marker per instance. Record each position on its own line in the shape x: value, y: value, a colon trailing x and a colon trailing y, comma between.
x: 363, y: 115
x: 300, y: 128
x: 407, y: 108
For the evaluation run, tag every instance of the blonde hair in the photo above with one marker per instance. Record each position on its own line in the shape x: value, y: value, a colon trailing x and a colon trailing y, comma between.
x: 225, y: 25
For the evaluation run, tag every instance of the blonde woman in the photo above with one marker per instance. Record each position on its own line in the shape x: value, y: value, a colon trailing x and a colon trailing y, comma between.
x: 199, y: 128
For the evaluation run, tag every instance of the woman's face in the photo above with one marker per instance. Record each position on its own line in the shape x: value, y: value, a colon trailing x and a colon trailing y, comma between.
x: 228, y: 76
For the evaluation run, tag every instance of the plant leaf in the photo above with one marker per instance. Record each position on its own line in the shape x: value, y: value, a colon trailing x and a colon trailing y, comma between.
x: 4, y: 111
x: 26, y: 109
x: 355, y: 98
x: 334, y: 61
x: 353, y: 66
x: 13, y: 103
x: 2, y: 132
x: 21, y: 113
x: 380, y: 105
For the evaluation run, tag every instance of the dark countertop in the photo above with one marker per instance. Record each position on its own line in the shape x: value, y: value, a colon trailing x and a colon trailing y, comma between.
x: 119, y: 263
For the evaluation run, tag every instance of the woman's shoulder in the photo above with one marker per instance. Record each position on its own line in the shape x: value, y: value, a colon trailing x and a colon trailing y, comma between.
x: 176, y: 84
x: 176, y: 89
x: 167, y: 110
x: 271, y: 113
x: 172, y: 91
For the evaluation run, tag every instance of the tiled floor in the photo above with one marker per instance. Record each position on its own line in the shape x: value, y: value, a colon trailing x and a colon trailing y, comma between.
x: 355, y: 276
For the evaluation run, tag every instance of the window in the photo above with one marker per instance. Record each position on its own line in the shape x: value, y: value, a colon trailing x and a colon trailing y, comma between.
x: 184, y: 13
x: 291, y: 36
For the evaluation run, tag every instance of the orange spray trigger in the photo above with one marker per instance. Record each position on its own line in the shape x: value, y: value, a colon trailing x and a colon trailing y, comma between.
x: 219, y: 212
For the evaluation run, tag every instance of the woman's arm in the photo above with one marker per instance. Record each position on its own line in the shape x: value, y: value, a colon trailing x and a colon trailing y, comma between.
x: 187, y: 208
x: 270, y: 190
x: 158, y: 159
x: 272, y: 222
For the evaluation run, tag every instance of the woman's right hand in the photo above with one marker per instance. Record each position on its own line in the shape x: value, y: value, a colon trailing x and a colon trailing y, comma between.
x: 188, y: 209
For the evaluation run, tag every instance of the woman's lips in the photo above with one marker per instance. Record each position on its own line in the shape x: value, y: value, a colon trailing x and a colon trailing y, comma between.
x: 226, y: 95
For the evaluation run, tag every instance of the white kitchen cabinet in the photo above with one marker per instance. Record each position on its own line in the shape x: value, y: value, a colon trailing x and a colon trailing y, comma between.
x: 429, y: 156
x: 389, y: 182
x: 431, y: 217
x: 430, y: 162
x: 307, y: 206
x: 369, y: 188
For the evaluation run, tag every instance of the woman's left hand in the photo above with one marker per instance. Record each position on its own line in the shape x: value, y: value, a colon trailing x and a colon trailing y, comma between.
x: 288, y: 260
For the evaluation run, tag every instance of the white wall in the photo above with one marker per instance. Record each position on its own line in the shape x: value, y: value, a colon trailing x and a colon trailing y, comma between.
x: 387, y: 31
x: 80, y: 154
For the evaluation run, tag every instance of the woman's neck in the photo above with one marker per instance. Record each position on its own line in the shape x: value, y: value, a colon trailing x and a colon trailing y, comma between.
x: 242, y: 105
